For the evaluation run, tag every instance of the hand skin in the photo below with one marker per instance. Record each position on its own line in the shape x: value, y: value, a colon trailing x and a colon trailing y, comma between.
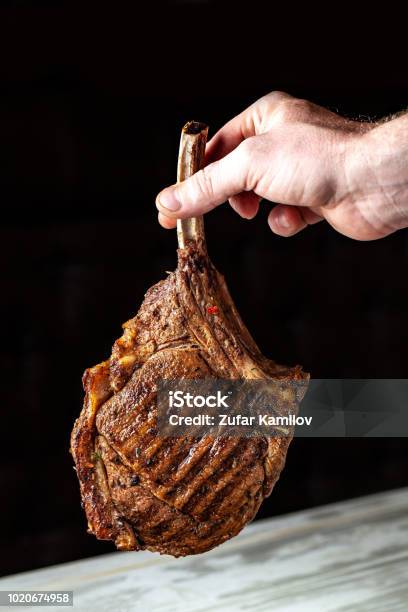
x: 311, y: 162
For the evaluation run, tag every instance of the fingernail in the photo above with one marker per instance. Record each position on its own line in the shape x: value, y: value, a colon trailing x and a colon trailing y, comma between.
x: 282, y: 220
x: 167, y: 199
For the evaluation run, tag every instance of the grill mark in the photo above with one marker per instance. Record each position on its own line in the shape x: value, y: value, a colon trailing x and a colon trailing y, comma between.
x: 203, y: 531
x: 173, y: 455
x: 252, y: 482
x: 174, y: 449
x: 174, y: 486
x: 213, y: 509
x: 153, y: 449
x: 176, y: 489
x: 204, y: 473
x: 189, y: 523
x: 167, y: 526
x: 193, y: 543
x: 206, y: 532
x: 232, y: 496
x: 229, y: 457
x: 226, y: 454
x: 196, y: 452
x: 209, y: 490
x: 140, y: 439
x: 242, y: 490
x: 164, y: 492
x: 142, y: 464
x: 170, y: 527
x: 157, y: 526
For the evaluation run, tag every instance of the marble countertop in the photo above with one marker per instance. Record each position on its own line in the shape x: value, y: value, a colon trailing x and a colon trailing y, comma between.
x: 351, y: 556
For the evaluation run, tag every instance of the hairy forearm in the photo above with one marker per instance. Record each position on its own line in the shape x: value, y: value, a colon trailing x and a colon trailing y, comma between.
x: 383, y: 170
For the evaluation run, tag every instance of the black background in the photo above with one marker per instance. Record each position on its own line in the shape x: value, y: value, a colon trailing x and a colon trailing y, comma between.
x: 92, y: 101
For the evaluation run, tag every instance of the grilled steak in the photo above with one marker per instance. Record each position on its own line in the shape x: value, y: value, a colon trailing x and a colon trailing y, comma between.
x: 178, y: 496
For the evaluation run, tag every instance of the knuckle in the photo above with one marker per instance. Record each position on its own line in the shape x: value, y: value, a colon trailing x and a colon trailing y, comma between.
x: 277, y: 97
x: 292, y: 110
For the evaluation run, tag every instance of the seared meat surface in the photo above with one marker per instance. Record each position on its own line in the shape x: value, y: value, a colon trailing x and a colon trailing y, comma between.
x: 178, y: 496
x: 182, y: 495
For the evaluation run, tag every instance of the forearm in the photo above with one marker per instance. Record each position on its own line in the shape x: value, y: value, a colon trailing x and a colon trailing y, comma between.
x: 382, y: 171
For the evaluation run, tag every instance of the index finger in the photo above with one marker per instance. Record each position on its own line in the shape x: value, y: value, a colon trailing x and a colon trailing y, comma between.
x: 225, y: 140
x: 250, y: 122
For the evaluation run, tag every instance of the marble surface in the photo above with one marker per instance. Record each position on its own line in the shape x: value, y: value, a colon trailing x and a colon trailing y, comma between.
x: 351, y: 556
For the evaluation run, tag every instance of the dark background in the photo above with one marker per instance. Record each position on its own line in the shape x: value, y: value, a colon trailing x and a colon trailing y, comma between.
x: 92, y: 100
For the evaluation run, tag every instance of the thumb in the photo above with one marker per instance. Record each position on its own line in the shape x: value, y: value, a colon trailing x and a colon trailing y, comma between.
x: 209, y: 187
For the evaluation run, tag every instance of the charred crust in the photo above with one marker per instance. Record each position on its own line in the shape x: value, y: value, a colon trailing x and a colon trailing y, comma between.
x: 173, y: 498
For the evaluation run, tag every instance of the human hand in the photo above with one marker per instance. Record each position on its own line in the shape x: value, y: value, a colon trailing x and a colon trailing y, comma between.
x: 312, y: 162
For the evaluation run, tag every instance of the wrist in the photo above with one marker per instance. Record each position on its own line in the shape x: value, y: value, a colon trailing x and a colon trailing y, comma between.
x: 377, y: 165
